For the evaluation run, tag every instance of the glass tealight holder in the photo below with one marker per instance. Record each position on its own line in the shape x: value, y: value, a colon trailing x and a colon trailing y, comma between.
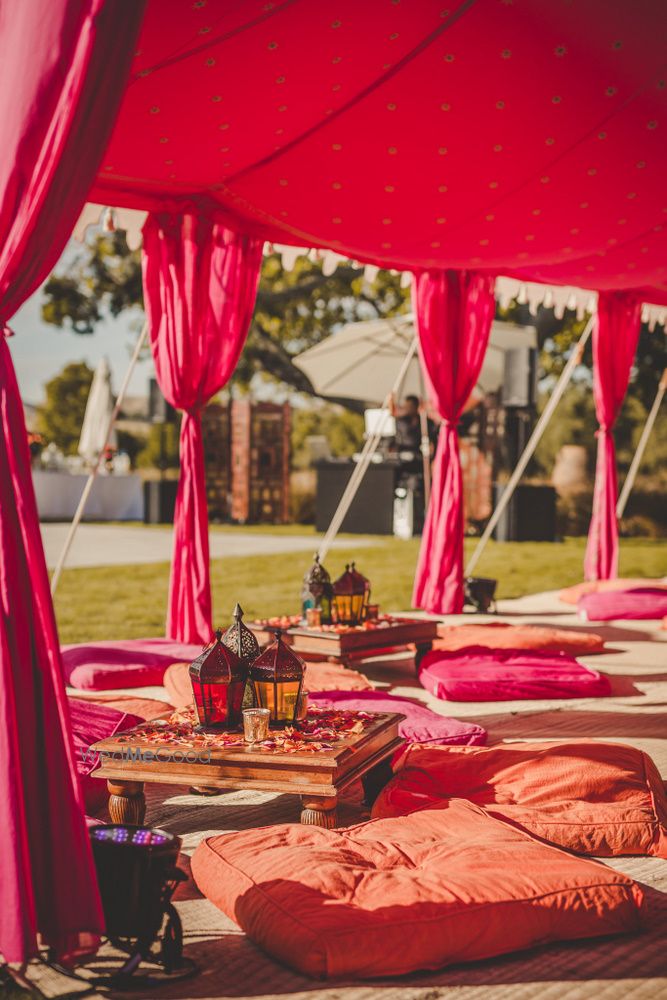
x: 302, y: 706
x: 256, y: 724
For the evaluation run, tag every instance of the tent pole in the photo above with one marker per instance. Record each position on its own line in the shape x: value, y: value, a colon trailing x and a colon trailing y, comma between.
x: 639, y: 453
x: 78, y: 514
x: 540, y: 427
x: 426, y: 441
x: 367, y: 452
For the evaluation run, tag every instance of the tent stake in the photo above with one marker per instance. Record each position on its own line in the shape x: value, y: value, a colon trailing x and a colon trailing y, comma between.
x: 641, y: 446
x: 367, y: 452
x: 93, y: 473
x: 527, y: 454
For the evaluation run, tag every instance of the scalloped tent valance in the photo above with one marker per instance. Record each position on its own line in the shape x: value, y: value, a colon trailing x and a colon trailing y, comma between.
x: 526, y: 138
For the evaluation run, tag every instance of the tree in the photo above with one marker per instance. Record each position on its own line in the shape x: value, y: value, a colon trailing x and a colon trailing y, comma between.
x: 344, y: 431
x: 61, y: 416
x: 295, y: 309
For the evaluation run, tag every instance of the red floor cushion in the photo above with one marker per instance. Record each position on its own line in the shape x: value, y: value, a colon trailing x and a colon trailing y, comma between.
x: 642, y: 603
x: 594, y: 798
x: 394, y: 896
x: 571, y: 595
x: 319, y: 677
x: 480, y: 674
x: 107, y: 666
x: 499, y: 635
x: 420, y: 725
x: 90, y: 723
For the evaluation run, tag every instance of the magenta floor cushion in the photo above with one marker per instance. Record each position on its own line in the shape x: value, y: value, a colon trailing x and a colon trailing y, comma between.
x: 480, y: 674
x: 639, y: 603
x: 106, y: 666
x: 421, y: 725
x: 90, y: 723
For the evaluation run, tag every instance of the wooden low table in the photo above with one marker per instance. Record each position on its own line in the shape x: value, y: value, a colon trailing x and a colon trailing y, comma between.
x: 318, y: 776
x: 350, y: 648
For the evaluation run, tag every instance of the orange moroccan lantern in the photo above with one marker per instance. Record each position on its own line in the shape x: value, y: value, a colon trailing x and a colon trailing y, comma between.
x: 351, y: 595
x: 276, y: 676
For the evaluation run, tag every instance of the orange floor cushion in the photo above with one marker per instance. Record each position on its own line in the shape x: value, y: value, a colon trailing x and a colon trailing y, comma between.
x: 499, y: 635
x: 319, y: 677
x: 393, y: 896
x: 571, y: 595
x: 602, y: 799
x: 144, y: 708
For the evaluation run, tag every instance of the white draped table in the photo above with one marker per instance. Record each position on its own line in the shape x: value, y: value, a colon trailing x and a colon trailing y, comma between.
x: 113, y: 497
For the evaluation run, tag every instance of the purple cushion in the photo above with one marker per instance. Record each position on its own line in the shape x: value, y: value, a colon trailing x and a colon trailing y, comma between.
x: 106, y: 666
x: 90, y: 723
x: 481, y: 674
x: 638, y: 603
x: 420, y: 725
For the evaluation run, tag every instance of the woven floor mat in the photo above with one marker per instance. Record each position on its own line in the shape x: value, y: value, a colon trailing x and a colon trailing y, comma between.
x: 622, y: 968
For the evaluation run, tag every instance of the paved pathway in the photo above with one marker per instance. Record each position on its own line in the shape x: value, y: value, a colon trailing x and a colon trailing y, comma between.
x: 118, y: 545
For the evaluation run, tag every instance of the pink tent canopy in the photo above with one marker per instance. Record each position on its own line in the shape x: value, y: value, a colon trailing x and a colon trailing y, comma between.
x: 523, y: 138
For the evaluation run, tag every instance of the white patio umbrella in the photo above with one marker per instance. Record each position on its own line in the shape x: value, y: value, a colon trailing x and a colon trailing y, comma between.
x: 99, y: 408
x: 362, y: 360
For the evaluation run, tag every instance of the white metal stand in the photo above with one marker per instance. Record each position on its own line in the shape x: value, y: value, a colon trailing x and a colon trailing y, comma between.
x: 641, y: 447
x: 540, y: 427
x: 78, y: 514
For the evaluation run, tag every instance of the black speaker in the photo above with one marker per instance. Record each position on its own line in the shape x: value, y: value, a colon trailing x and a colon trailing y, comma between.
x: 159, y: 410
x: 520, y: 377
x: 530, y: 516
x: 160, y: 501
x: 371, y: 511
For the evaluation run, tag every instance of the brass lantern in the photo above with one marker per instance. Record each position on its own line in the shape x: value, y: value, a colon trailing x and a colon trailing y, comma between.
x: 276, y: 677
x: 218, y: 679
x: 240, y: 639
x: 351, y: 594
x: 317, y: 591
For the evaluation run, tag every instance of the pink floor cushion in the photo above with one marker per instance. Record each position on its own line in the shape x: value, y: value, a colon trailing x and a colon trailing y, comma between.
x: 571, y: 595
x: 393, y: 896
x: 90, y: 723
x: 480, y: 674
x: 106, y: 666
x: 500, y: 635
x: 420, y: 725
x: 644, y: 603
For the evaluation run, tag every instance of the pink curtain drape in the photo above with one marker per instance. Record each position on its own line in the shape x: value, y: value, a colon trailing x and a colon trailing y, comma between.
x: 63, y: 68
x: 200, y: 283
x: 454, y: 311
x: 615, y: 337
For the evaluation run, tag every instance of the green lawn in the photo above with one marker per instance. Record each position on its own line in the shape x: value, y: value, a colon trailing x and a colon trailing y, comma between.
x: 129, y: 601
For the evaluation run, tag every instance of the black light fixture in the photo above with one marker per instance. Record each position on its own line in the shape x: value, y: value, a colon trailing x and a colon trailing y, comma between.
x: 137, y: 875
x: 480, y: 593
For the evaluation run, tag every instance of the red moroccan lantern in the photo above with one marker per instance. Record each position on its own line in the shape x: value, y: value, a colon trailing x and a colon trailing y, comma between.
x: 218, y: 677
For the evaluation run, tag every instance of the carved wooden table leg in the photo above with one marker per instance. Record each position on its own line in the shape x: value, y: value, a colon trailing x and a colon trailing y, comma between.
x: 319, y: 811
x: 127, y: 803
x: 374, y: 780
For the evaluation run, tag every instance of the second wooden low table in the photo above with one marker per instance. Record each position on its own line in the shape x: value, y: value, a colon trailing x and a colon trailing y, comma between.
x: 129, y: 759
x: 352, y: 646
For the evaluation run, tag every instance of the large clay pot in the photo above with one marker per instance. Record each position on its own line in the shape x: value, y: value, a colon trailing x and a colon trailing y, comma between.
x: 570, y: 469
